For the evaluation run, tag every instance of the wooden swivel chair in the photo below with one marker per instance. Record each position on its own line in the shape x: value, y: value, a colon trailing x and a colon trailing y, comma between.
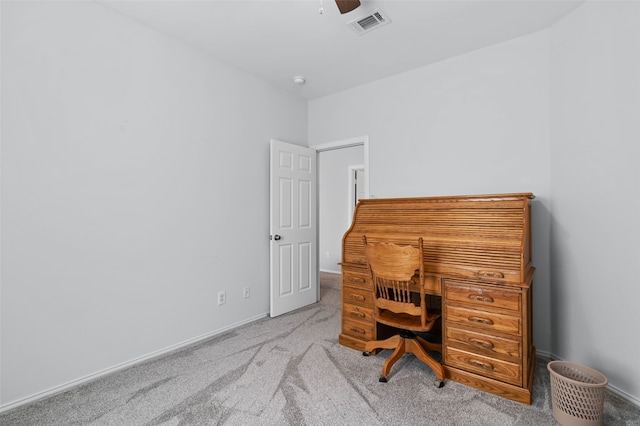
x: 400, y: 302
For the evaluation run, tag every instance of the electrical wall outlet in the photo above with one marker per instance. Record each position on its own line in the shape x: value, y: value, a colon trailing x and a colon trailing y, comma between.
x: 247, y: 292
x: 222, y: 297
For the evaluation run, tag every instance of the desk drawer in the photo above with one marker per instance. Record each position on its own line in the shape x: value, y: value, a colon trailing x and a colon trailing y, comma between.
x: 356, y: 279
x: 484, y: 344
x: 486, y: 366
x: 489, y: 321
x: 358, y: 329
x: 484, y: 296
x: 358, y: 313
x: 358, y: 296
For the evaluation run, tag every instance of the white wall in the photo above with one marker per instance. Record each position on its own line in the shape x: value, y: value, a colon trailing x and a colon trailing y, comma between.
x: 554, y: 113
x: 333, y: 195
x: 474, y: 124
x: 595, y: 157
x: 134, y: 188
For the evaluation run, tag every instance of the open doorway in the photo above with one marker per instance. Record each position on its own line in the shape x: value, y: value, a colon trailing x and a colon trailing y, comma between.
x: 357, y: 178
x: 342, y: 181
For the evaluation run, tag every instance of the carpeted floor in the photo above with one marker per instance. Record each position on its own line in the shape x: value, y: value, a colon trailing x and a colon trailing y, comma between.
x: 290, y: 370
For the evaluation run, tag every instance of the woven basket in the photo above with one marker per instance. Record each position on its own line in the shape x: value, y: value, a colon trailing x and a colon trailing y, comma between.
x: 577, y: 394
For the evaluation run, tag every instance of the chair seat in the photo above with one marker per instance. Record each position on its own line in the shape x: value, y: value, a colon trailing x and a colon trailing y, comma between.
x: 407, y: 322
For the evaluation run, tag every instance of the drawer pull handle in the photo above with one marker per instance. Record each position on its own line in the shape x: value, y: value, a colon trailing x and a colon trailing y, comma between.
x: 483, y: 365
x: 490, y: 274
x: 358, y: 314
x: 360, y: 261
x: 481, y: 343
x: 481, y: 320
x: 480, y: 298
x: 356, y: 280
x: 357, y: 297
x: 358, y: 330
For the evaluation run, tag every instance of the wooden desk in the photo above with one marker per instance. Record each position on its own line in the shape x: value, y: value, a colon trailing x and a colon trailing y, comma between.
x: 477, y: 255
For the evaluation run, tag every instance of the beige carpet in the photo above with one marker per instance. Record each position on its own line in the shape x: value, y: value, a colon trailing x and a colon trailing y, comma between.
x: 290, y: 370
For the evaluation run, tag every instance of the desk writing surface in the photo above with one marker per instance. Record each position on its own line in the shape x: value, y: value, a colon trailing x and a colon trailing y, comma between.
x: 432, y: 285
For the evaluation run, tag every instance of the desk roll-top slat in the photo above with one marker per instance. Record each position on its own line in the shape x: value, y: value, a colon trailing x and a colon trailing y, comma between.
x: 480, y: 240
x: 463, y: 235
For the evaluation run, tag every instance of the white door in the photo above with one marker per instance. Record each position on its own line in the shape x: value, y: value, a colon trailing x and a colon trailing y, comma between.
x: 294, y: 274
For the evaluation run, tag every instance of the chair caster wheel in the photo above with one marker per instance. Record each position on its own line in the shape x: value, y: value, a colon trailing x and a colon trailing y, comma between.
x: 366, y: 353
x: 439, y: 383
x: 382, y: 379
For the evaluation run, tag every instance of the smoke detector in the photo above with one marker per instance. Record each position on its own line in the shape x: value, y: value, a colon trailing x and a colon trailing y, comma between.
x: 299, y: 80
x: 369, y: 22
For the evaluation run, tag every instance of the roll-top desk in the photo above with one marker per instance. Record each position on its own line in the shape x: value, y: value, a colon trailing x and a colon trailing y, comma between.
x: 477, y: 255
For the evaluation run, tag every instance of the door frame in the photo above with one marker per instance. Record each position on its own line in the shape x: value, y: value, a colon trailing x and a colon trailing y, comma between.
x: 330, y: 146
x: 351, y: 184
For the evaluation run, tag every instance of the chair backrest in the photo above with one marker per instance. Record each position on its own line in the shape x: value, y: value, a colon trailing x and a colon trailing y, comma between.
x: 392, y: 269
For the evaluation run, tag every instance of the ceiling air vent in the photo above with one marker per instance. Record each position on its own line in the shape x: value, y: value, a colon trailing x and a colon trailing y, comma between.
x: 369, y: 22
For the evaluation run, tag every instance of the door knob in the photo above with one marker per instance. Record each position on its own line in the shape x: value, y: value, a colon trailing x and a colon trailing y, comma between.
x: 277, y: 237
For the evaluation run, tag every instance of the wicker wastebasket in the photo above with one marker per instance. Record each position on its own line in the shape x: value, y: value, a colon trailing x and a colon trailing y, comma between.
x: 577, y: 394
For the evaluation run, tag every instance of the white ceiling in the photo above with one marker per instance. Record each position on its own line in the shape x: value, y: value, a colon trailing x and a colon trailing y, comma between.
x: 278, y: 39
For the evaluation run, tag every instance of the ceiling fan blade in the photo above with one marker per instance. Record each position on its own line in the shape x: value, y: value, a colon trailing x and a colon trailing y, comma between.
x: 346, y: 6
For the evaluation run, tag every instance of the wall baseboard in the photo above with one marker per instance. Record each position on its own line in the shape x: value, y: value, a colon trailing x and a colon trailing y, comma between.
x: 330, y: 271
x: 613, y: 389
x: 82, y: 380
